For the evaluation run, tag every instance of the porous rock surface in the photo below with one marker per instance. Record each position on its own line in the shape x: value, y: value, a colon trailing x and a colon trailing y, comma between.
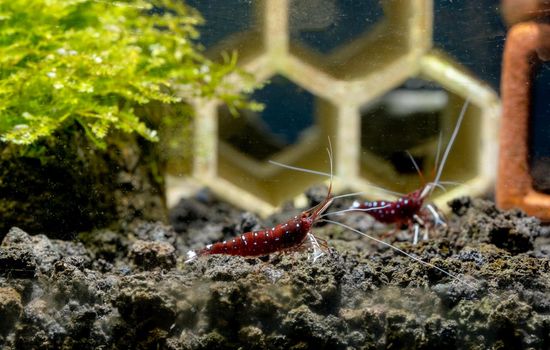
x: 131, y: 289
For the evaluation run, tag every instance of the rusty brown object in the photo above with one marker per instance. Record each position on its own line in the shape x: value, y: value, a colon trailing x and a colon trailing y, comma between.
x: 515, y: 11
x: 527, y: 45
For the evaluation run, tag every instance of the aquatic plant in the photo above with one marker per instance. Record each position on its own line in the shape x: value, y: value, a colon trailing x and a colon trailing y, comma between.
x: 92, y: 62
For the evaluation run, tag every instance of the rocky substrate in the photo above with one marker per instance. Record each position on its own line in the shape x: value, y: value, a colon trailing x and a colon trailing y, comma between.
x: 132, y: 289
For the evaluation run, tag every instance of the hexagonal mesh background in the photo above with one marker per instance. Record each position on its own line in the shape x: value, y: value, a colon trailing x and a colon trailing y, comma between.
x: 365, y: 74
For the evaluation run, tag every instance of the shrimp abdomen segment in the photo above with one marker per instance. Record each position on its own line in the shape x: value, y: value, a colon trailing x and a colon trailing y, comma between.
x: 258, y: 243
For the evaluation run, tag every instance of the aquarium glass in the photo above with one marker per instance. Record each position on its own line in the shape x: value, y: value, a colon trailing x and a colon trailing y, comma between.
x: 273, y: 174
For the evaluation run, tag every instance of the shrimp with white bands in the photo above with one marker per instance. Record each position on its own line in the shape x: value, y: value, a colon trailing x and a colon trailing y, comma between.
x: 410, y: 210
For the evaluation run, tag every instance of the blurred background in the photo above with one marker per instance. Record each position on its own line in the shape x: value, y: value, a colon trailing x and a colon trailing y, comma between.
x: 381, y: 78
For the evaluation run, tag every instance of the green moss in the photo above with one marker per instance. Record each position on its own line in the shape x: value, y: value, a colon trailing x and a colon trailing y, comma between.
x: 92, y: 62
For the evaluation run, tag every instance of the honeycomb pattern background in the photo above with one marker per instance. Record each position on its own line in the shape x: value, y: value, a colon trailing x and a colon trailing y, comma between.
x: 342, y: 90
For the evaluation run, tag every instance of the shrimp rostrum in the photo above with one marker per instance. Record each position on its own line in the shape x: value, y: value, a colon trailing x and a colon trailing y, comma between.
x: 411, y: 210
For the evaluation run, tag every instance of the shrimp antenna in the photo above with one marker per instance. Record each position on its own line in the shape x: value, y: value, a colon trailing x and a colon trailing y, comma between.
x: 415, y: 164
x: 415, y: 258
x: 321, y: 207
x: 452, y: 183
x: 304, y: 170
x: 441, y: 184
x: 315, y: 172
x: 321, y: 173
x: 450, y: 144
x: 438, y: 152
x: 329, y: 151
x: 438, y: 185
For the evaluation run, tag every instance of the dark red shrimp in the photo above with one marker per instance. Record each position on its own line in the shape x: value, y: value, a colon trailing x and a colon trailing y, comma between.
x: 398, y: 212
x: 409, y: 210
x: 286, y: 236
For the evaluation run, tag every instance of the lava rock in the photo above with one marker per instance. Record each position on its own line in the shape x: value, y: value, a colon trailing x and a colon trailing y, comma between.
x: 46, y: 253
x: 363, y: 295
x: 151, y: 254
x: 105, y: 244
x: 17, y: 258
x: 316, y: 330
x: 10, y: 309
x: 510, y: 230
x: 249, y: 222
x: 38, y: 328
x: 156, y: 231
x: 147, y: 311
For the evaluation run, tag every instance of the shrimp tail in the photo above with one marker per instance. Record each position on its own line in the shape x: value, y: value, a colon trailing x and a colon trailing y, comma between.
x: 192, y: 255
